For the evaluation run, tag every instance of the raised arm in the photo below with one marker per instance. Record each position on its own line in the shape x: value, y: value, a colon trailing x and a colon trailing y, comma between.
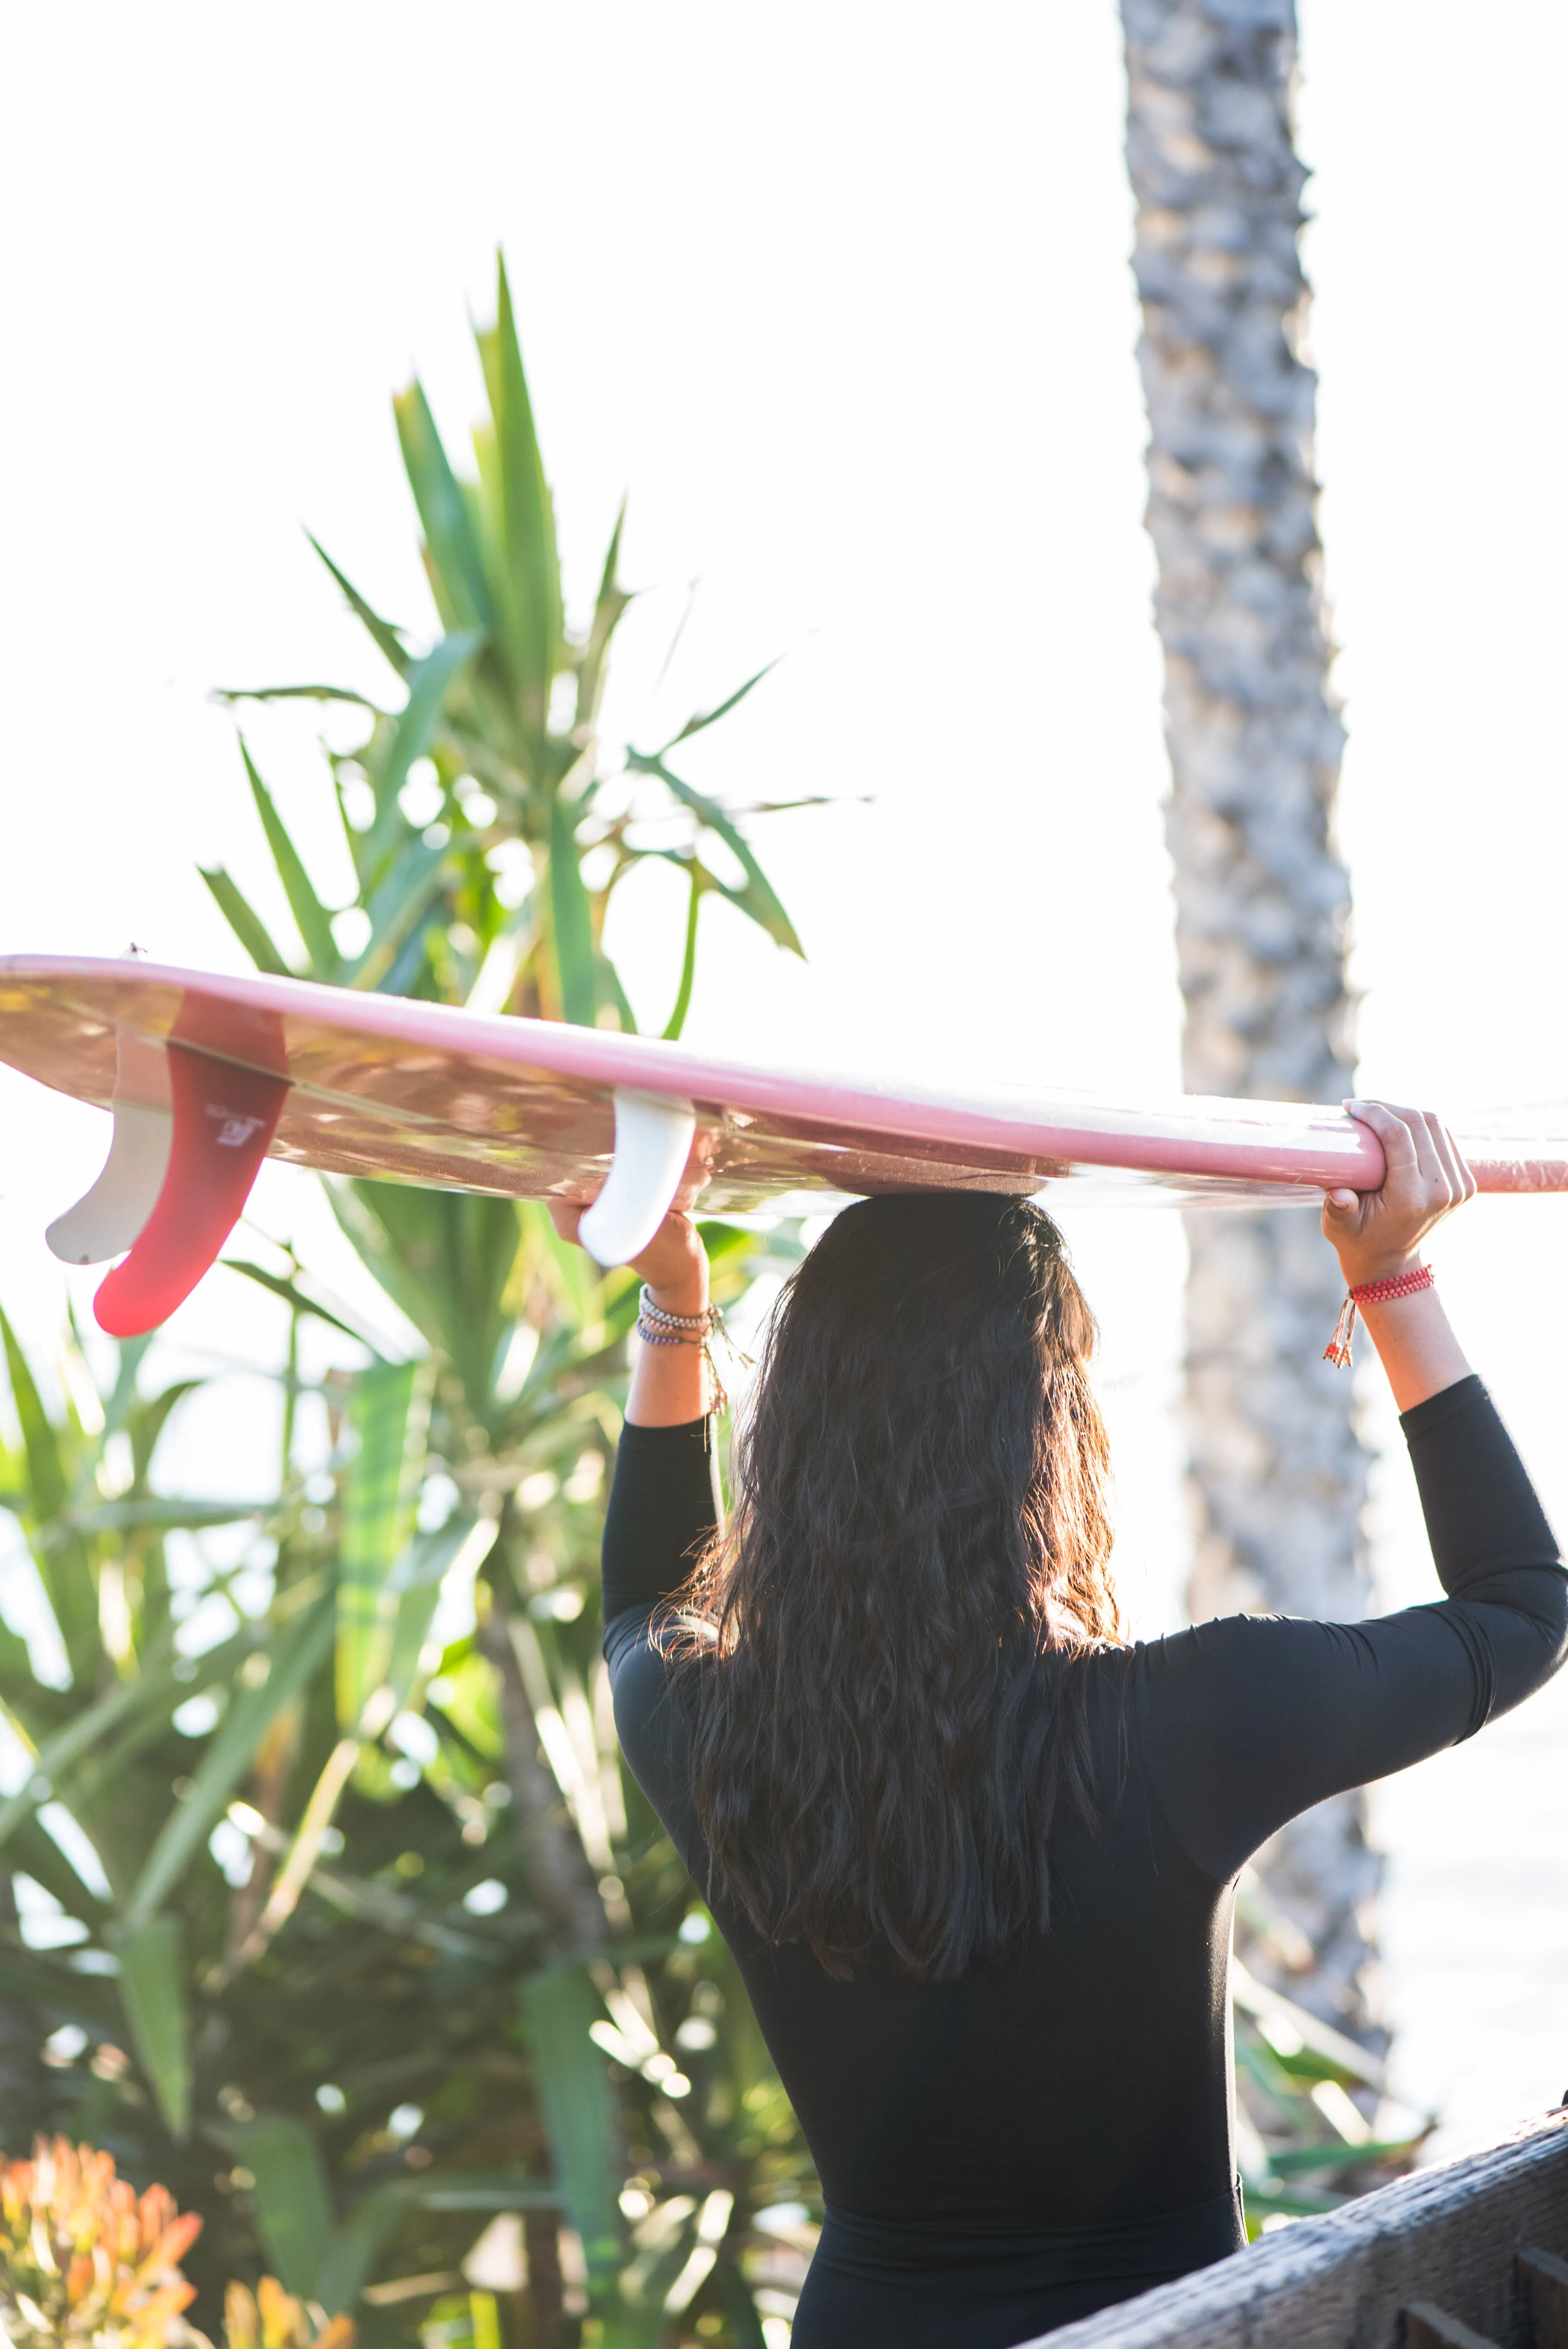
x: 670, y: 1382
x: 1247, y: 1721
x: 1378, y: 1234
x: 663, y: 1502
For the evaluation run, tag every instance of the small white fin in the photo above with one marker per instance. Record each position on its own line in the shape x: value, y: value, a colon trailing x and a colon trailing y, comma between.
x: 653, y: 1143
x: 109, y: 1218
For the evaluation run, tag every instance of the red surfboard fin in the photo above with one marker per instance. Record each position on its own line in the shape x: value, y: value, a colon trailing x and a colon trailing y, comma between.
x: 224, y: 1119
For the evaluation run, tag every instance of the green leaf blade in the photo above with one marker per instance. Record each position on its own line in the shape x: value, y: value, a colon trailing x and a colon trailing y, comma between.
x: 387, y: 640
x: 579, y: 2110
x: 152, y: 1991
x: 454, y: 559
x: 293, y: 2200
x: 246, y: 924
x: 429, y: 681
x: 572, y: 920
x: 759, y: 898
x: 705, y: 717
x: 312, y: 919
x: 530, y: 613
x: 389, y: 1415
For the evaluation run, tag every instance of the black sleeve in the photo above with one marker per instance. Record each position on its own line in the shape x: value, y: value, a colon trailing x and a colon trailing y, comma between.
x: 1249, y: 1720
x: 663, y: 1508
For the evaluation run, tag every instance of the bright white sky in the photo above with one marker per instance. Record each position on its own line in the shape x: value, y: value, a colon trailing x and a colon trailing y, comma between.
x: 840, y: 296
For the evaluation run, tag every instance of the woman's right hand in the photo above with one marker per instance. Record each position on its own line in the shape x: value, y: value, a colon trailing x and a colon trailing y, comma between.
x: 1379, y: 1233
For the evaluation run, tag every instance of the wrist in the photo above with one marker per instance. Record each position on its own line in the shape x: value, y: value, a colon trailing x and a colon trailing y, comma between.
x: 683, y: 1297
x: 1361, y: 1272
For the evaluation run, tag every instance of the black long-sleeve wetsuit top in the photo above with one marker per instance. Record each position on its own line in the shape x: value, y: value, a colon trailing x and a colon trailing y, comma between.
x: 1051, y: 2133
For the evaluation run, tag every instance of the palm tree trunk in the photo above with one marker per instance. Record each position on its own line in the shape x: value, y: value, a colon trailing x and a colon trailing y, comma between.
x: 1262, y: 899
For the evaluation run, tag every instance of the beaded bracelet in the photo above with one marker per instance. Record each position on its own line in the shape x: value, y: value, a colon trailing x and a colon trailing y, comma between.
x: 709, y: 1319
x: 1373, y: 1292
x: 657, y: 1328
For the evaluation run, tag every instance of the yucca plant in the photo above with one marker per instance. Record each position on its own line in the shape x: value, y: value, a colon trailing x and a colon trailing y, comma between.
x: 487, y: 828
x: 393, y: 1924
x: 484, y: 879
x: 455, y: 1966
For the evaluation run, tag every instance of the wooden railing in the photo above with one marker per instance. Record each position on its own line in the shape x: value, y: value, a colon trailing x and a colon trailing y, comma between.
x: 1471, y: 2256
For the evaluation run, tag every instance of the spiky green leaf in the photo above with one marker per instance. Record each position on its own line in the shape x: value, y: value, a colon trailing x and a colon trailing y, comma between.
x: 300, y: 1302
x: 293, y: 2200
x: 677, y: 1018
x: 389, y: 1415
x: 702, y: 718
x: 759, y: 898
x: 246, y: 924
x: 388, y: 639
x: 572, y: 920
x: 608, y: 607
x: 528, y: 606
x: 398, y: 904
x: 579, y: 2110
x: 312, y: 919
x: 452, y: 552
x: 387, y: 765
x: 152, y: 1991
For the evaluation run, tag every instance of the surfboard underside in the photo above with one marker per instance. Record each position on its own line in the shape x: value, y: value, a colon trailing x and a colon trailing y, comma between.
x: 399, y: 1090
x: 482, y: 1112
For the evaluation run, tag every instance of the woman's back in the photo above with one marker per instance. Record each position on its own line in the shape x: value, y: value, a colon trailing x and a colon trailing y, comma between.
x: 975, y: 1859
x: 1051, y: 2130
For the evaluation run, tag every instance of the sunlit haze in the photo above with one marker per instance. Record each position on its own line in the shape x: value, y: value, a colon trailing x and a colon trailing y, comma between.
x: 840, y: 297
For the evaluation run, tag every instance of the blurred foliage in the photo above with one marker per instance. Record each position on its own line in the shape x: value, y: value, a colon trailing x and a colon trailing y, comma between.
x: 362, y: 1939
x: 352, y: 1940
x: 1315, y: 2119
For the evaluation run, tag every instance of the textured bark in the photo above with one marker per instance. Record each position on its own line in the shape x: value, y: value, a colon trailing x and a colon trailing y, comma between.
x: 1262, y: 900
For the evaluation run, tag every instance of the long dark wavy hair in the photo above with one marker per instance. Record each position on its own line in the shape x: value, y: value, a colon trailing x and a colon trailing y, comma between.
x: 876, y: 1660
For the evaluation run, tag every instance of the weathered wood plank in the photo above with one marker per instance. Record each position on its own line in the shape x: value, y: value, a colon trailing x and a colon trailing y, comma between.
x: 1426, y: 2327
x: 1543, y: 2287
x: 1451, y: 2236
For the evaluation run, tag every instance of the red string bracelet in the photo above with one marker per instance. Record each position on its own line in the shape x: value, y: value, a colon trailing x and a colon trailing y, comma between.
x: 1373, y: 1292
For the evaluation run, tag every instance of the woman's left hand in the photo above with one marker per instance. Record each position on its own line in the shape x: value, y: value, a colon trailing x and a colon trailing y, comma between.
x: 669, y: 1382
x: 674, y: 1265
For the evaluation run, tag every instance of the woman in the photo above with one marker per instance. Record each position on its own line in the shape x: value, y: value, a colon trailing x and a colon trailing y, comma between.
x: 974, y: 1854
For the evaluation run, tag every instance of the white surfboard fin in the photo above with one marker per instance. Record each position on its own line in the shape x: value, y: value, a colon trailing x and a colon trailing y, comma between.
x: 652, y: 1143
x: 110, y: 1218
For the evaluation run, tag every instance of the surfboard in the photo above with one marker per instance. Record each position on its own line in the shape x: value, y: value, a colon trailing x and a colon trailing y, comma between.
x: 206, y: 1075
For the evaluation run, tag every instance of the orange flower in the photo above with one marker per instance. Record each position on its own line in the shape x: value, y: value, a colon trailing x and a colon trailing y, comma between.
x: 280, y: 2320
x: 84, y: 2263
